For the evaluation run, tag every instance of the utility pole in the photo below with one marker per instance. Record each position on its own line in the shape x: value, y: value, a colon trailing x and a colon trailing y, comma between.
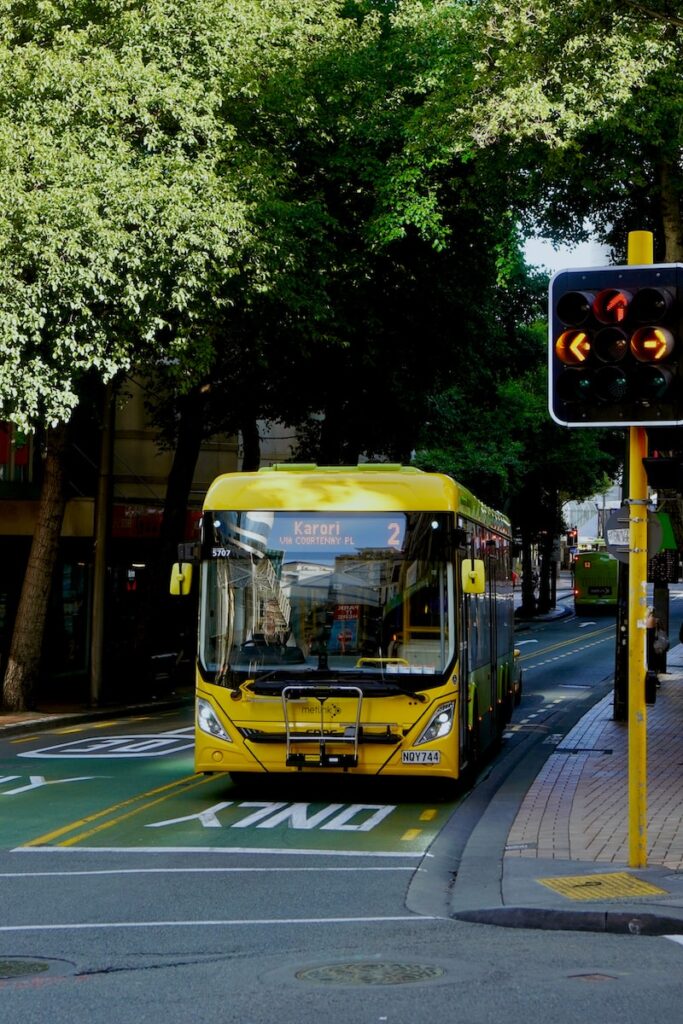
x: 640, y: 251
x: 615, y: 359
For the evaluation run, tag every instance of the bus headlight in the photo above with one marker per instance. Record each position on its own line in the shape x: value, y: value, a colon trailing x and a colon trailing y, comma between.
x: 440, y: 724
x: 208, y: 721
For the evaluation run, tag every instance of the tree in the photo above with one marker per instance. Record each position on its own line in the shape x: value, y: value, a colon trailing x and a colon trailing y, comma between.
x: 515, y: 458
x: 125, y: 192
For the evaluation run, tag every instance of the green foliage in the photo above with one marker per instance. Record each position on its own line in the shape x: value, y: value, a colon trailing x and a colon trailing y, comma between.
x: 126, y: 187
x: 513, y: 455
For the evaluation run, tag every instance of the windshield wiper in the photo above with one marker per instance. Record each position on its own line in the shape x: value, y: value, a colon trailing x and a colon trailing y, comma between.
x: 395, y: 688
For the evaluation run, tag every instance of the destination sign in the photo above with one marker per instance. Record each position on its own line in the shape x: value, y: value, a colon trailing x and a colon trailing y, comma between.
x: 295, y: 531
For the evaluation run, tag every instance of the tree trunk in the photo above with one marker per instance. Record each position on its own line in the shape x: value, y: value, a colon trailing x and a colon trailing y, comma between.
x: 251, y: 445
x: 528, y: 606
x: 670, y: 188
x: 23, y: 663
x: 162, y: 620
x: 544, y: 588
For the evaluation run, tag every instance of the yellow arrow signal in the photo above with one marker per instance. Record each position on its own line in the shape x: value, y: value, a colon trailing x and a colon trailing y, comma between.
x: 652, y: 344
x: 573, y: 347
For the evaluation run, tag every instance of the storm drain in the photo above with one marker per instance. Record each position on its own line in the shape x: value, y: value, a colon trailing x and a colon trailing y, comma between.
x: 615, y: 886
x: 370, y: 974
x: 19, y: 968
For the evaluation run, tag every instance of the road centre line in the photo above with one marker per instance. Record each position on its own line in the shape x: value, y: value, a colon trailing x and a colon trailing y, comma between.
x: 229, y: 923
x: 538, y: 653
x: 129, y: 814
x: 174, y: 786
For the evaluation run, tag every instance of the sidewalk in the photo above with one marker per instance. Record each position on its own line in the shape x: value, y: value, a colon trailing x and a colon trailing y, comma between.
x: 554, y: 854
x: 48, y: 714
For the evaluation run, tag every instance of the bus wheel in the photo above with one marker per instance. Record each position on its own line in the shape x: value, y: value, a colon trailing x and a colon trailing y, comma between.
x: 503, y: 712
x: 518, y: 692
x: 474, y: 740
x: 241, y: 779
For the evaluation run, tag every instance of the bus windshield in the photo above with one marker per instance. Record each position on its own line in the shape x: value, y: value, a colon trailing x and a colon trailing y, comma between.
x: 289, y: 593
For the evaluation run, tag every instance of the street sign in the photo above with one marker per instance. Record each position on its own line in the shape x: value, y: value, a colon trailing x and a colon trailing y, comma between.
x: 617, y: 531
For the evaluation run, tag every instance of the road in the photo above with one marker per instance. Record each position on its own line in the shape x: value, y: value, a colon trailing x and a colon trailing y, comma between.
x: 134, y: 890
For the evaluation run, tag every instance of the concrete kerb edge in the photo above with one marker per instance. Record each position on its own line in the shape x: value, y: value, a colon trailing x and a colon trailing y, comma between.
x: 620, y: 922
x: 95, y: 715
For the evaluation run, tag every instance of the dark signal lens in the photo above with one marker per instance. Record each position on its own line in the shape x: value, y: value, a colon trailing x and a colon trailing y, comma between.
x: 610, y: 306
x: 574, y: 386
x: 652, y: 344
x: 573, y: 348
x: 574, y: 308
x: 610, y: 345
x: 653, y: 382
x: 612, y: 384
x: 651, y: 305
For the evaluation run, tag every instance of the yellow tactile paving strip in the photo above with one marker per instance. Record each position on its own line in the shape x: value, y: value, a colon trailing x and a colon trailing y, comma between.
x: 616, y: 886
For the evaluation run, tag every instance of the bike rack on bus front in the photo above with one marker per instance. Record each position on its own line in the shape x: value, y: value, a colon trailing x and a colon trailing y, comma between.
x: 351, y: 734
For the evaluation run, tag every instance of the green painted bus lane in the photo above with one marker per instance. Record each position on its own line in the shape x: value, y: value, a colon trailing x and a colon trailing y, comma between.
x: 121, y: 786
x: 52, y: 779
x: 208, y: 812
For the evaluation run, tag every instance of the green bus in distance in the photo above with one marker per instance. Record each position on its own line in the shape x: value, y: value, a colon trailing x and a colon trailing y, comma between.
x: 595, y: 582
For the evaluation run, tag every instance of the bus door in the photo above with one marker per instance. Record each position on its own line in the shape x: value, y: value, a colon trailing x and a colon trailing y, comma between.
x: 464, y: 659
x: 475, y: 678
x: 492, y: 598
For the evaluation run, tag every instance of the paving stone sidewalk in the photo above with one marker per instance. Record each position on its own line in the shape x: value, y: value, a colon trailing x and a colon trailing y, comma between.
x: 577, y: 807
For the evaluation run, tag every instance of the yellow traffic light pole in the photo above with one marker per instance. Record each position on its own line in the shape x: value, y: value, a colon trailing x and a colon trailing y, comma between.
x: 640, y: 251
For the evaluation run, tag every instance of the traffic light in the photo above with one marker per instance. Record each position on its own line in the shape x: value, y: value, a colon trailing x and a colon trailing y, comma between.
x: 616, y: 346
x: 571, y: 537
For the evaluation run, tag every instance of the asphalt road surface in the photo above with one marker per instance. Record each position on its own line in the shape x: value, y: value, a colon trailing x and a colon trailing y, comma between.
x: 135, y: 891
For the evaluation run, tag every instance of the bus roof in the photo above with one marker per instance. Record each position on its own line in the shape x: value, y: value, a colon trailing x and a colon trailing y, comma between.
x: 368, y: 487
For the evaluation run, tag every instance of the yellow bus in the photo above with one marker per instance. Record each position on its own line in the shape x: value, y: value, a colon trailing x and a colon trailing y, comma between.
x: 351, y: 619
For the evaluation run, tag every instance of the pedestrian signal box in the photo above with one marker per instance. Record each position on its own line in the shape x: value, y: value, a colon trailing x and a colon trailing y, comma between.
x: 616, y: 346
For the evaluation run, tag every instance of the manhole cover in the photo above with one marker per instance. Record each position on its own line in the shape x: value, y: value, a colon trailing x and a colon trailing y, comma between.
x: 18, y: 968
x: 369, y: 974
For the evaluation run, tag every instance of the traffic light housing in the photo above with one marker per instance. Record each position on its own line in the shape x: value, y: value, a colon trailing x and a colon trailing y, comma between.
x: 616, y: 346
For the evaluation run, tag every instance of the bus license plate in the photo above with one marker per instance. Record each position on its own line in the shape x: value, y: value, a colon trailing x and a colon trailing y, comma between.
x: 420, y: 756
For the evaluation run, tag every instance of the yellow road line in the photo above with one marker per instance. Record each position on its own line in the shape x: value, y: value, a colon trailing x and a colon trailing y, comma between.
x: 129, y: 814
x: 411, y: 834
x: 42, y: 840
x: 25, y: 739
x: 84, y: 726
x: 428, y: 815
x: 540, y: 651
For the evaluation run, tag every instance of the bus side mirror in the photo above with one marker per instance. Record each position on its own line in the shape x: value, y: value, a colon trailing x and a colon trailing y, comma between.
x: 181, y: 579
x: 473, y: 576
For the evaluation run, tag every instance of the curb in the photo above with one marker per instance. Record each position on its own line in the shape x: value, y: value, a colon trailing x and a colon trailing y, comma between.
x: 619, y: 922
x: 94, y: 715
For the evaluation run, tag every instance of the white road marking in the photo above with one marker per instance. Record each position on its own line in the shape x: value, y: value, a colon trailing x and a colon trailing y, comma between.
x: 189, y: 871
x: 263, y: 851
x: 116, y: 746
x: 222, y: 923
